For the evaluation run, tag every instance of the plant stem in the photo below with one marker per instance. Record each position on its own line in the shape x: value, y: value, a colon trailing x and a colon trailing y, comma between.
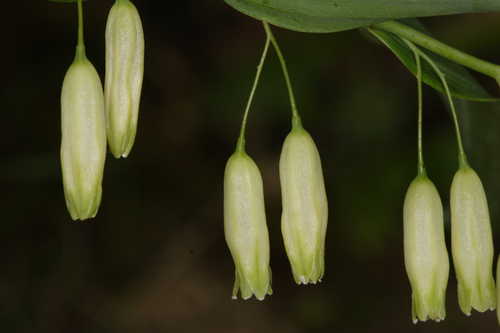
x: 240, y: 145
x: 296, y: 122
x: 421, y: 165
x: 80, y: 46
x: 462, y: 157
x: 440, y: 48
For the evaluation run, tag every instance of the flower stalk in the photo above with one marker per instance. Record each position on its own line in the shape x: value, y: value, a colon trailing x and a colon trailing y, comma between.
x: 245, y: 226
x: 305, y: 206
x: 426, y: 256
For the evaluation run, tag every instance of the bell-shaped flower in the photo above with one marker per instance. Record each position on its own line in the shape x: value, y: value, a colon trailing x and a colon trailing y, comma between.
x: 83, y: 144
x: 472, y: 242
x: 124, y: 75
x: 426, y: 258
x: 245, y: 227
x: 305, y: 207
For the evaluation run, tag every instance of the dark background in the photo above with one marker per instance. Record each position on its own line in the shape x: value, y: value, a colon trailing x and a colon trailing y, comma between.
x: 154, y: 259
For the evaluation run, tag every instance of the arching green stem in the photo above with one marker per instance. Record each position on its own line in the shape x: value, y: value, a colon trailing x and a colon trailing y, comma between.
x: 462, y: 157
x: 440, y: 48
x: 421, y: 165
x: 296, y: 122
x: 80, y: 46
x: 240, y: 145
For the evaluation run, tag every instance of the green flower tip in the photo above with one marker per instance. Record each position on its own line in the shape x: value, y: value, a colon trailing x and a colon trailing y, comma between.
x: 257, y: 284
x: 430, y: 306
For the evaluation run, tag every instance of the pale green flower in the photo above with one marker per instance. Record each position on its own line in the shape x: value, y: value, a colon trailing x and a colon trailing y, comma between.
x: 124, y: 75
x: 83, y: 144
x: 472, y: 242
x: 498, y: 290
x: 245, y: 227
x: 305, y: 207
x: 426, y: 257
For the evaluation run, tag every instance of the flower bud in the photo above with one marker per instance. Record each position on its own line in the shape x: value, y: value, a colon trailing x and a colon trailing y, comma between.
x: 426, y: 257
x: 305, y: 207
x: 245, y: 227
x: 83, y: 145
x: 472, y: 242
x: 124, y: 75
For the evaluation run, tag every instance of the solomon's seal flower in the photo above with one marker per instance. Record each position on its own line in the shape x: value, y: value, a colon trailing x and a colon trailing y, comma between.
x: 124, y: 75
x: 498, y: 290
x: 83, y: 146
x: 305, y: 206
x: 426, y: 257
x: 245, y: 227
x: 472, y: 242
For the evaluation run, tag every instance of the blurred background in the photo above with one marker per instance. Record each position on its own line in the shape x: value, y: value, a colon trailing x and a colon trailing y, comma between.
x: 154, y: 260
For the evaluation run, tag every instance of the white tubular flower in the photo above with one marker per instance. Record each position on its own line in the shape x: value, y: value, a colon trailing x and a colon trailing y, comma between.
x: 83, y: 146
x: 426, y: 257
x: 498, y: 290
x: 124, y: 75
x: 472, y: 242
x: 305, y: 207
x: 245, y: 227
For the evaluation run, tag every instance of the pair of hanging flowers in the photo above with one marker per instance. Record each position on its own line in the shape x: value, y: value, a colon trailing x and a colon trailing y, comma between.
x: 90, y: 113
x: 426, y: 255
x: 305, y: 207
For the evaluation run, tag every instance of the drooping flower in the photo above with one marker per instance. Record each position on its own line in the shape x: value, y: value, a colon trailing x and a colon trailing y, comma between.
x: 124, y: 75
x: 498, y: 290
x: 245, y: 227
x: 426, y: 257
x: 305, y: 206
x: 83, y: 144
x: 472, y: 242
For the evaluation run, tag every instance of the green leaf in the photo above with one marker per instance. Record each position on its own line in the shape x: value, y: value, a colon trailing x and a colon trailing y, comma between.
x: 461, y: 83
x: 338, y: 15
x: 294, y: 20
